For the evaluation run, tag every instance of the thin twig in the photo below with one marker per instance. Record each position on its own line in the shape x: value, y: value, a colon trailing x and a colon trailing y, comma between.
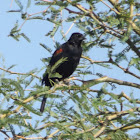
x: 62, y: 29
x: 122, y: 113
x: 29, y: 15
x: 138, y: 14
x: 11, y: 3
x: 125, y: 70
x: 115, y: 4
x: 24, y: 119
x: 133, y: 47
x: 128, y: 98
x: 47, y: 1
x: 110, y: 7
x: 74, y: 12
x: 4, y: 133
x: 70, y: 27
x: 17, y: 73
x: 51, y: 135
x: 92, y: 61
x: 32, y: 138
x: 98, y: 133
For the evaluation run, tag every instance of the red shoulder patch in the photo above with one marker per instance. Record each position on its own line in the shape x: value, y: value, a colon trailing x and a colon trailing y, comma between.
x: 58, y: 51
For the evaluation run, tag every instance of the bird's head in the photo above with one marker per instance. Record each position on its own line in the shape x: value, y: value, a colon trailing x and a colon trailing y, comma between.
x: 77, y: 38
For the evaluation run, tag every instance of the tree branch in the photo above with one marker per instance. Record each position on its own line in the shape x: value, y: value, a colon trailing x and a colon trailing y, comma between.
x: 98, y: 133
x: 133, y: 47
x: 125, y: 127
x: 128, y: 98
x: 93, y: 82
x: 4, y: 133
x: 110, y: 7
x: 115, y: 4
x: 17, y: 73
x: 86, y: 84
x: 130, y: 125
x: 32, y: 138
x: 122, y: 113
x: 74, y: 12
x: 112, y: 62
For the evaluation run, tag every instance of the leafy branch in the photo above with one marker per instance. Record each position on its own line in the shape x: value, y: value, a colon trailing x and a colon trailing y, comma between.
x: 126, y: 70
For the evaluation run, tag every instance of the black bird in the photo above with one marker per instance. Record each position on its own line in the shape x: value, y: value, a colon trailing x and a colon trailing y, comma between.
x: 70, y: 51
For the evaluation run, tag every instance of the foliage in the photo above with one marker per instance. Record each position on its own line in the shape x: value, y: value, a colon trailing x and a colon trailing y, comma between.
x: 85, y: 109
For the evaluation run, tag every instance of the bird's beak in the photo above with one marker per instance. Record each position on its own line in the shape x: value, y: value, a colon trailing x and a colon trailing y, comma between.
x: 84, y: 37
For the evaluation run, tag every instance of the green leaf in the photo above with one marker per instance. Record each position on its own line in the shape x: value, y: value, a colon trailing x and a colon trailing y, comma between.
x: 134, y: 61
x: 46, y: 47
x: 19, y: 4
x: 11, y: 67
x: 104, y: 65
x: 14, y: 11
x: 24, y: 36
x: 28, y: 4
x: 84, y: 72
x: 57, y: 64
x: 42, y: 3
x: 17, y: 85
x: 28, y: 107
x: 54, y: 30
x: 36, y: 17
x: 14, y: 29
x: 54, y: 75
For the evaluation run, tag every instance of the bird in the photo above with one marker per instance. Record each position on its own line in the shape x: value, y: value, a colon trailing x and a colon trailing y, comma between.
x: 69, y: 55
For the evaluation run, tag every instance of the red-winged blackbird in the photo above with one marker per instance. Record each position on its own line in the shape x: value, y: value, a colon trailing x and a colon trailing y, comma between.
x: 71, y: 51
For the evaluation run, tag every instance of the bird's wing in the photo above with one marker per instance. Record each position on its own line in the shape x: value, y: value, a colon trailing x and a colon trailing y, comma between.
x: 58, y: 51
x: 58, y: 54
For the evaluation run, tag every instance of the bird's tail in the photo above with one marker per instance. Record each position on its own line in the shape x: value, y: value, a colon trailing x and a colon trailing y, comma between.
x: 45, y: 81
x: 43, y: 104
